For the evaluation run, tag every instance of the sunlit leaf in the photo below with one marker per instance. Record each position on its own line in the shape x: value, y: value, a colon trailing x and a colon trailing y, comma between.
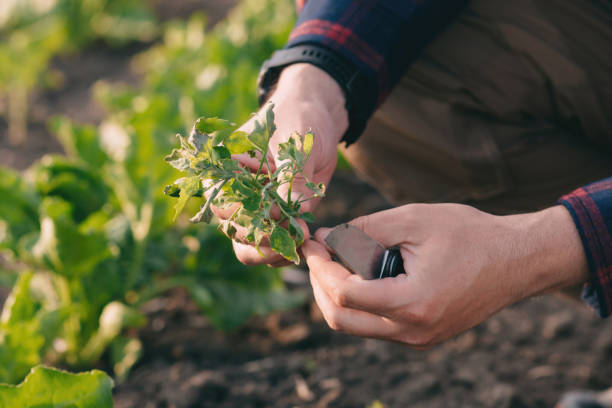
x: 282, y: 243
x: 209, y: 125
x: 308, y: 143
x: 49, y: 387
x: 188, y: 187
x: 238, y: 142
x: 177, y: 160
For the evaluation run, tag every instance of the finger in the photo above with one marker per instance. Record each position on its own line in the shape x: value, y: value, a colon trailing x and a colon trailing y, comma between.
x: 389, y: 227
x: 280, y: 264
x: 355, y: 322
x: 254, y: 163
x: 248, y: 255
x: 224, y: 213
x: 320, y: 235
x: 242, y: 232
x: 381, y: 296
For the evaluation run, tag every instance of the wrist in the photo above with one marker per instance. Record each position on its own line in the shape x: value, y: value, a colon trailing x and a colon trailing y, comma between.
x: 310, y: 89
x: 547, y: 251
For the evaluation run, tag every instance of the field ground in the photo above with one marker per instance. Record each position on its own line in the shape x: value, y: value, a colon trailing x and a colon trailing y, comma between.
x: 525, y: 356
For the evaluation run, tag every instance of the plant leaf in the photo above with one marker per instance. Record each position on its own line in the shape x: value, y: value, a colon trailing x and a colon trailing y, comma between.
x: 269, y: 115
x: 205, y: 214
x: 238, y: 142
x: 282, y: 243
x: 259, y: 138
x: 318, y: 190
x: 296, y: 231
x: 209, y: 125
x: 178, y: 160
x: 220, y: 153
x: 307, y: 216
x: 172, y: 190
x: 188, y: 186
x: 49, y: 387
x: 227, y: 228
x: 308, y: 143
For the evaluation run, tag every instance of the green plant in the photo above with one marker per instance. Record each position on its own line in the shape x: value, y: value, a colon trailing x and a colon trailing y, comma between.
x: 206, y: 156
x: 48, y: 387
x: 88, y: 238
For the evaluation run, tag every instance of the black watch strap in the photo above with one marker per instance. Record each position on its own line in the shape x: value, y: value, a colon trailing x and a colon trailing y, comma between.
x: 359, y: 98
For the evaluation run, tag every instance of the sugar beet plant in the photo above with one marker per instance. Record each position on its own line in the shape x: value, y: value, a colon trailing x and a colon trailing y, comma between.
x: 87, y: 238
x: 206, y: 157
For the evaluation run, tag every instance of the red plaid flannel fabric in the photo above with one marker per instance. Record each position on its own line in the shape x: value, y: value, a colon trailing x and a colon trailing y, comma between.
x: 381, y: 37
x: 591, y: 208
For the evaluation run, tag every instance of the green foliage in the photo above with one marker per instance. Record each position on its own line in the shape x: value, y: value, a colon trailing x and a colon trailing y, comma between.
x: 48, y: 387
x: 32, y: 34
x: 19, y: 206
x: 206, y: 157
x: 90, y: 237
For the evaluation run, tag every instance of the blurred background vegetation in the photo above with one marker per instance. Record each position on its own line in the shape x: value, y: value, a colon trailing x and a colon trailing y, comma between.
x: 86, y: 236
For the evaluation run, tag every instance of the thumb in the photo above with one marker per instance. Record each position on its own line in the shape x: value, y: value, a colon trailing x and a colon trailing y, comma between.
x: 390, y: 227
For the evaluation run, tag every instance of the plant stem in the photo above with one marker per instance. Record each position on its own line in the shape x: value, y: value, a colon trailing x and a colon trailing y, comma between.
x: 136, y: 264
x: 290, y: 188
x: 261, y: 162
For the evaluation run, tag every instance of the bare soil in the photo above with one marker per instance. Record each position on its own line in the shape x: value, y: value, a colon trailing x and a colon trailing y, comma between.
x: 525, y: 356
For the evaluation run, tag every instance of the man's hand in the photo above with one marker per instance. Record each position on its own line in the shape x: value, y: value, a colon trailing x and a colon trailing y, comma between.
x: 305, y: 98
x: 462, y: 266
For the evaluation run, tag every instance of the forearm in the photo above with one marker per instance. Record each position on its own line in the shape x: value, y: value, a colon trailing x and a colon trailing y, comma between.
x: 545, y: 253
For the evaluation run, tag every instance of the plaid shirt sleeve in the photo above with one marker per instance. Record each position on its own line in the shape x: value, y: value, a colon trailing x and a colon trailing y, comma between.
x: 380, y: 37
x: 591, y: 209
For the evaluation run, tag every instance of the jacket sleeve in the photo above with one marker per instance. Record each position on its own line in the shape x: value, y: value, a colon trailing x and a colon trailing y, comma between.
x: 591, y: 209
x: 379, y: 37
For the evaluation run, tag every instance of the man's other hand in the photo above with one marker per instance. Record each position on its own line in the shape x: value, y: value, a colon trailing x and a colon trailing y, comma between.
x: 462, y: 266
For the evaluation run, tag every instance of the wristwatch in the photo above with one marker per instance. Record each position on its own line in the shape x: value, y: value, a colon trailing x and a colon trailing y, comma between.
x: 360, y: 98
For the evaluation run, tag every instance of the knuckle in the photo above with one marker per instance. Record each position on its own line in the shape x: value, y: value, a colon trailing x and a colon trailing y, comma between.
x: 361, y: 222
x: 333, y: 321
x: 423, y: 314
x: 340, y: 297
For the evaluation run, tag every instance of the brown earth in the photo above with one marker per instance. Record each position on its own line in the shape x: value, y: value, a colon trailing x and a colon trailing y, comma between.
x: 526, y: 356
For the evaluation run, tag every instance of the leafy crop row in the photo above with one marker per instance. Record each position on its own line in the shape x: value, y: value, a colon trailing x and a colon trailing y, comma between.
x: 32, y: 32
x: 88, y: 237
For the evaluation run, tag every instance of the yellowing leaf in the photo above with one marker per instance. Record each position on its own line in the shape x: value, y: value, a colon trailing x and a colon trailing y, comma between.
x: 189, y: 186
x: 238, y: 142
x: 282, y: 243
x: 308, y: 143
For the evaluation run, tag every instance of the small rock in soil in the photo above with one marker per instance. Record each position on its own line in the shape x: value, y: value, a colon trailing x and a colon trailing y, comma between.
x: 559, y: 325
x: 500, y: 396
